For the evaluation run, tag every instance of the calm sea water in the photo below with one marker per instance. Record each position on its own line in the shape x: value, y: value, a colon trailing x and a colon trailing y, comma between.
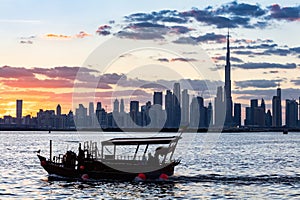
x: 213, y: 166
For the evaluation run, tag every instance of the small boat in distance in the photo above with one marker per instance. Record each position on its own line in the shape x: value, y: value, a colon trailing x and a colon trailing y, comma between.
x: 110, y: 162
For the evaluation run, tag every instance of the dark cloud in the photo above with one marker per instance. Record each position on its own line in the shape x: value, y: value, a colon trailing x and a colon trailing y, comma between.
x: 241, y: 9
x: 264, y: 65
x: 208, y: 37
x: 256, y: 83
x: 186, y: 40
x: 244, y: 52
x: 279, y: 52
x: 146, y: 25
x: 296, y: 81
x: 295, y: 50
x: 163, y: 59
x: 272, y: 72
x: 180, y: 29
x: 285, y: 13
x: 211, y: 37
x: 183, y: 59
x: 145, y: 35
x: 104, y: 30
x: 162, y: 16
x: 261, y: 46
x: 223, y: 58
x: 15, y: 72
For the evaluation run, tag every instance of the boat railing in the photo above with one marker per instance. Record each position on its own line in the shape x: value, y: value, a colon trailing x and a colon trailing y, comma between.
x: 128, y: 157
x: 92, y: 149
x: 58, y: 159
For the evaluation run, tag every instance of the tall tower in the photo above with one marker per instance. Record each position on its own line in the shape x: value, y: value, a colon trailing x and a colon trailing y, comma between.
x: 157, y: 98
x: 19, y: 111
x: 227, y: 87
x: 122, y: 107
x: 91, y: 109
x: 58, y: 110
x: 116, y: 106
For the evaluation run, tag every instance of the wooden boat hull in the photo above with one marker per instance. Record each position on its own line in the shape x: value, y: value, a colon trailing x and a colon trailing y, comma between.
x: 99, y: 171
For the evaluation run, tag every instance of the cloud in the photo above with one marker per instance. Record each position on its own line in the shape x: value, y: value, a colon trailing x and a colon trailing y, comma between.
x: 241, y: 9
x: 223, y: 58
x: 163, y: 59
x: 279, y: 52
x: 285, y: 13
x: 26, y: 42
x: 296, y: 81
x: 144, y: 35
x: 183, y: 59
x: 15, y: 72
x: 261, y: 83
x: 272, y: 72
x: 186, y: 40
x: 104, y: 30
x: 60, y: 36
x: 32, y: 82
x: 81, y: 34
x: 295, y: 50
x: 264, y: 65
x: 208, y: 37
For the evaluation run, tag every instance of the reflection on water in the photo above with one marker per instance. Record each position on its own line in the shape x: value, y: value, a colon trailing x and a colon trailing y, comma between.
x: 231, y: 165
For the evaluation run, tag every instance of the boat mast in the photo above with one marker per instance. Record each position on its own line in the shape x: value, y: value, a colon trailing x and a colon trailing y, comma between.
x: 50, y: 150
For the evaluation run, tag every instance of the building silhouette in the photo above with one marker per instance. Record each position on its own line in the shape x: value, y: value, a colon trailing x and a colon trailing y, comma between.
x: 227, y: 88
x: 185, y: 107
x: 58, y: 110
x: 176, y: 105
x: 219, y: 108
x: 134, y: 112
x: 169, y: 109
x: 291, y: 113
x: 237, y: 114
x: 276, y: 109
x: 19, y: 109
x: 157, y: 98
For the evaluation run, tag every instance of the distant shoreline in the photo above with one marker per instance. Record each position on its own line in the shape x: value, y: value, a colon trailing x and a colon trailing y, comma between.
x: 164, y: 130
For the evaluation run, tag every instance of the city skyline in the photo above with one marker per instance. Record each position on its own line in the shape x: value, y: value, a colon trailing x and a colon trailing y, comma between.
x: 161, y: 114
x: 51, y: 50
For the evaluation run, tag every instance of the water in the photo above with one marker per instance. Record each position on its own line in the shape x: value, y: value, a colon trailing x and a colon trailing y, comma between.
x: 214, y: 166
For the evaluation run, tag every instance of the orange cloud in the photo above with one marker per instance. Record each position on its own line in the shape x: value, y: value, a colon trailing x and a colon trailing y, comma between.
x: 81, y: 34
x: 51, y: 35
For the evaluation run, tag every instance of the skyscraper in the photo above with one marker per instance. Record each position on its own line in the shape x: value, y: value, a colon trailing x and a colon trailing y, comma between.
x: 134, y: 110
x: 91, y: 109
x: 227, y: 88
x: 122, y: 107
x: 291, y: 113
x: 276, y: 109
x: 169, y: 109
x: 177, y: 105
x: 19, y: 111
x: 237, y: 114
x: 116, y: 106
x: 185, y: 107
x: 194, y: 113
x: 157, y: 98
x: 219, y: 108
x: 58, y: 110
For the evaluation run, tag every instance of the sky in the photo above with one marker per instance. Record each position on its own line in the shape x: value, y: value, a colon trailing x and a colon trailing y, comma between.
x: 71, y: 52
